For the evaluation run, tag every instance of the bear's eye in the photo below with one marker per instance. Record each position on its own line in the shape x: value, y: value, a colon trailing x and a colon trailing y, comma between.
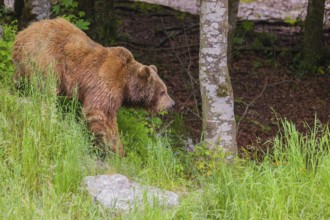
x: 162, y: 93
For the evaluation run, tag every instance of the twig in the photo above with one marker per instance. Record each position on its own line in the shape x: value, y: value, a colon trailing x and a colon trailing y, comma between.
x: 192, y: 80
x: 190, y: 76
x: 251, y: 103
x: 168, y: 37
x: 191, y: 111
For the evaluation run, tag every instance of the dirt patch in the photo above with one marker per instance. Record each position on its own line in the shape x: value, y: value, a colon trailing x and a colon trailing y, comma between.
x: 264, y: 83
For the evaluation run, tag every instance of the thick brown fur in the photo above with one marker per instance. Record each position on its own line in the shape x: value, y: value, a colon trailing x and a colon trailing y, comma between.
x: 105, y: 77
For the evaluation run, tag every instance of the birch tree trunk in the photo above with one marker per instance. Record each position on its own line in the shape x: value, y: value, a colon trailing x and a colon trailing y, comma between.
x: 217, y: 94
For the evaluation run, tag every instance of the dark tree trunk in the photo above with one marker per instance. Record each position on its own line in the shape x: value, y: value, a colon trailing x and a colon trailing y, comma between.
x: 105, y: 21
x: 312, y: 42
x: 232, y: 18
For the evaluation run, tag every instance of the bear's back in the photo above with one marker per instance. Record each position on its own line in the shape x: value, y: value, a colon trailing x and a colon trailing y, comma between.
x: 43, y: 42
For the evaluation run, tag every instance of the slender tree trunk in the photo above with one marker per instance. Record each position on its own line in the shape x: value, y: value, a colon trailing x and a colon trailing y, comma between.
x: 217, y: 94
x: 312, y: 42
x: 232, y: 18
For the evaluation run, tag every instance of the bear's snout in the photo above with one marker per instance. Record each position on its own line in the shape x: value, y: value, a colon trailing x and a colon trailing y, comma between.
x: 169, y: 103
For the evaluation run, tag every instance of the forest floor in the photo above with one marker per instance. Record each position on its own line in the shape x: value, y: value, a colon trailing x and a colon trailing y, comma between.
x: 265, y: 84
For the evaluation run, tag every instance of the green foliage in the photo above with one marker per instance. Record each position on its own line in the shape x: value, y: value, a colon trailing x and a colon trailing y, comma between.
x: 243, y: 30
x: 248, y: 26
x: 206, y: 161
x: 292, y: 21
x: 5, y: 17
x: 68, y: 9
x: 302, y: 69
x: 6, y: 45
x: 180, y: 15
x: 138, y: 131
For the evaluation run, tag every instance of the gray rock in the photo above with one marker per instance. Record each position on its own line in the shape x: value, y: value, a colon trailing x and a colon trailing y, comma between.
x: 117, y: 192
x: 274, y: 10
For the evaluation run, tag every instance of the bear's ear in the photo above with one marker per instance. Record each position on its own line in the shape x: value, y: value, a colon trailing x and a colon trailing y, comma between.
x: 154, y: 68
x: 144, y: 72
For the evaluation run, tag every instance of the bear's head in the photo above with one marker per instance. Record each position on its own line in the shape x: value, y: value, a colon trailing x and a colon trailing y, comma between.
x: 145, y: 88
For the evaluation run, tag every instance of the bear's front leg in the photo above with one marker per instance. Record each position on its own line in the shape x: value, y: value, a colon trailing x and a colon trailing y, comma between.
x: 105, y: 129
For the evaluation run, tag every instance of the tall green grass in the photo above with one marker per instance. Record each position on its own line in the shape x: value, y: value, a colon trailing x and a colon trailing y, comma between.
x: 291, y: 183
x: 45, y: 152
x: 43, y: 157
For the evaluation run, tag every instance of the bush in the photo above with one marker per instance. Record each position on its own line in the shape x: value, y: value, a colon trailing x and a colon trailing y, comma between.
x: 6, y: 45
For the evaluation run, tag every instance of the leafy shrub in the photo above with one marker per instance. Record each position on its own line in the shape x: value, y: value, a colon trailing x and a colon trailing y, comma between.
x: 68, y: 9
x: 138, y: 130
x: 6, y: 45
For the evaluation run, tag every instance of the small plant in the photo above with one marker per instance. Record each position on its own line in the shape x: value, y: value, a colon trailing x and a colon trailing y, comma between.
x: 243, y: 30
x: 180, y: 15
x: 68, y: 9
x: 292, y: 21
x: 207, y: 160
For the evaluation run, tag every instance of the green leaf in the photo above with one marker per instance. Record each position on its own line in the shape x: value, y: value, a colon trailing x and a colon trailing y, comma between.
x: 56, y: 9
x: 82, y: 14
x: 83, y: 25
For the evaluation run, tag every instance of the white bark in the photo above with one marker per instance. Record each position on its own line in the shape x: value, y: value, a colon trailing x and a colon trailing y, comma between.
x: 217, y: 94
x: 190, y: 6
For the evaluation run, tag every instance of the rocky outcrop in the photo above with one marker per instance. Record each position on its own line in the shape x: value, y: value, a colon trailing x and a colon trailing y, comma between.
x: 272, y: 10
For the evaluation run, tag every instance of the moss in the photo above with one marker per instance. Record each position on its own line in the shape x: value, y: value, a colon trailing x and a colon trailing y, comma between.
x: 222, y: 90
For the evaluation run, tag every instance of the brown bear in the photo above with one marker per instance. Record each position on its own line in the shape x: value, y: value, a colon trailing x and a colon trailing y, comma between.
x: 105, y: 77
